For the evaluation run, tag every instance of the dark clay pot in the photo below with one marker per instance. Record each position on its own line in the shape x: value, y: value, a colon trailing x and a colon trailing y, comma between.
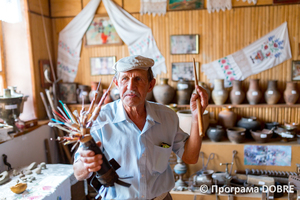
x: 184, y: 92
x: 236, y: 134
x: 249, y: 123
x: 216, y: 133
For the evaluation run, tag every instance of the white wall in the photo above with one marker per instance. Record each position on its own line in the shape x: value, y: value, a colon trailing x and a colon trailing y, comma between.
x: 23, y: 150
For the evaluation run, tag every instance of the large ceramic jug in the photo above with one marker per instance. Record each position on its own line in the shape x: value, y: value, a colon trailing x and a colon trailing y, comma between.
x: 184, y: 92
x: 237, y: 95
x: 219, y: 93
x: 291, y: 93
x: 163, y: 93
x: 254, y: 94
x: 227, y: 118
x: 272, y: 94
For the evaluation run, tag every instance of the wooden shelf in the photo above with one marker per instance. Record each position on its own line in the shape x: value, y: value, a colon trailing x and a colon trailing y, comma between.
x: 248, y: 105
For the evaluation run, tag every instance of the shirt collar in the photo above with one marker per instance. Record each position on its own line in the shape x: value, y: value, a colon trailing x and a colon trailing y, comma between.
x: 121, y: 114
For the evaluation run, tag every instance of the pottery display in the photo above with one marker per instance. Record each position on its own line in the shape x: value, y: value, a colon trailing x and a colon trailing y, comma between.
x: 184, y: 92
x: 285, y: 134
x: 261, y: 136
x: 249, y: 123
x: 236, y: 134
x: 219, y: 93
x: 254, y: 94
x: 19, y: 188
x: 270, y: 125
x: 83, y: 94
x: 115, y: 93
x: 227, y: 118
x: 215, y: 133
x: 272, y: 94
x: 93, y: 91
x: 292, y: 126
x: 163, y: 93
x: 185, y: 120
x: 237, y: 95
x: 291, y: 93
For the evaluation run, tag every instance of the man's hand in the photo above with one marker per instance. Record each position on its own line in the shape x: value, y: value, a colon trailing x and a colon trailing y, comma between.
x: 91, y: 162
x: 203, y: 99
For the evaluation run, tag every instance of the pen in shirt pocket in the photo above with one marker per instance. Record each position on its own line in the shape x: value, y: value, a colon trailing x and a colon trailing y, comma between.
x: 164, y: 145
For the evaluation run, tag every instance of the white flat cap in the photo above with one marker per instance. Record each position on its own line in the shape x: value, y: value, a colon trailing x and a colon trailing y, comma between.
x: 133, y: 62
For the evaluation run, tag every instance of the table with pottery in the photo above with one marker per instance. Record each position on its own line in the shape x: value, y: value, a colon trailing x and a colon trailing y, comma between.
x: 39, y: 182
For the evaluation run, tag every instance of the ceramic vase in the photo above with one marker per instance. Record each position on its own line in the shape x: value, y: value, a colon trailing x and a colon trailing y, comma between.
x: 163, y: 93
x: 219, y: 93
x: 272, y: 94
x: 184, y: 92
x: 291, y: 93
x: 215, y: 133
x: 227, y: 118
x: 83, y: 94
x: 93, y: 91
x: 254, y: 94
x: 237, y: 95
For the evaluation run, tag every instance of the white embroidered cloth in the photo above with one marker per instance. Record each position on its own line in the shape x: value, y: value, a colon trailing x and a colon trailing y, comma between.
x: 153, y: 7
x: 136, y: 35
x: 70, y: 40
x: 249, y: 1
x: 265, y: 53
x: 217, y: 5
x: 10, y: 11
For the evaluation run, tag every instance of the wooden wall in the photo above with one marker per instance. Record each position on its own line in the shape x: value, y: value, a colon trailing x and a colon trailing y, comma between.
x: 221, y: 33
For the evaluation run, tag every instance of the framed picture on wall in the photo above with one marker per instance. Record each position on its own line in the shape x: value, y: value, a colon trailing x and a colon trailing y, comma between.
x: 45, y: 73
x: 184, y: 70
x: 102, y: 32
x: 67, y: 92
x: 285, y: 1
x: 296, y: 70
x: 102, y: 65
x: 184, y: 44
x: 185, y: 4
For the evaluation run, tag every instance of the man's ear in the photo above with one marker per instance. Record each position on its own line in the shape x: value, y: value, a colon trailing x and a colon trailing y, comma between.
x: 116, y: 82
x: 152, y: 84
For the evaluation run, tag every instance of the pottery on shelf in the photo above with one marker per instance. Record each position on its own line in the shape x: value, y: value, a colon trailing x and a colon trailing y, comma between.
x: 184, y: 92
x: 163, y: 93
x: 185, y: 120
x: 272, y: 94
x: 83, y: 94
x: 215, y: 133
x: 227, y: 118
x: 270, y: 125
x: 249, y: 123
x: 94, y: 90
x: 19, y: 188
x: 262, y: 136
x: 291, y: 93
x: 219, y: 93
x: 254, y: 94
x: 237, y: 95
x: 236, y: 134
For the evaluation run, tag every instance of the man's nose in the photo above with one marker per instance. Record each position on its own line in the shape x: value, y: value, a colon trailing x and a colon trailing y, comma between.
x: 131, y: 84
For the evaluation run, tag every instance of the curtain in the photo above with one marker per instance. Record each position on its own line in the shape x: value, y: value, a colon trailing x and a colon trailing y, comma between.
x: 10, y: 11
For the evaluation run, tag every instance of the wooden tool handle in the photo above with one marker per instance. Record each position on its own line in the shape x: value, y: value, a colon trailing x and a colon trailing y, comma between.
x: 199, y: 107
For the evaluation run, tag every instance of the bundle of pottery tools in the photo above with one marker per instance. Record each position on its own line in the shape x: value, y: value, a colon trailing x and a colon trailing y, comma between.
x: 78, y: 131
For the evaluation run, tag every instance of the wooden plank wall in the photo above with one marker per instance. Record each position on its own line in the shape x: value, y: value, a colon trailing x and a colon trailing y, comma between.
x: 221, y: 33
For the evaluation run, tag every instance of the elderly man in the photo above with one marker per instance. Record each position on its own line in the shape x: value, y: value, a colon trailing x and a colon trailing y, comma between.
x: 133, y: 131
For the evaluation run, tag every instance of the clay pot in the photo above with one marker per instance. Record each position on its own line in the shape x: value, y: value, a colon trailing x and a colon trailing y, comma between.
x: 291, y: 93
x: 272, y: 94
x: 185, y: 120
x: 219, y: 93
x: 261, y: 136
x: 93, y: 91
x: 83, y: 94
x: 237, y: 95
x: 249, y: 123
x: 227, y: 118
x: 184, y: 92
x: 215, y: 133
x: 163, y: 93
x: 236, y: 134
x: 270, y: 125
x: 115, y: 93
x: 254, y: 94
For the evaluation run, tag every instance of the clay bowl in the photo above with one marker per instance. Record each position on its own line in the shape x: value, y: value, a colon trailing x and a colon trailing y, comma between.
x: 270, y: 125
x: 19, y: 188
x: 236, y: 134
x: 261, y: 136
x: 292, y: 126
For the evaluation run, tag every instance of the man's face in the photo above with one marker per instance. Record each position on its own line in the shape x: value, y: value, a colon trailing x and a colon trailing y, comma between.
x: 134, y: 86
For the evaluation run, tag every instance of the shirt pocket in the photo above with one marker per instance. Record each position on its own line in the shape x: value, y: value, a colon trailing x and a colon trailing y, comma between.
x: 161, y: 158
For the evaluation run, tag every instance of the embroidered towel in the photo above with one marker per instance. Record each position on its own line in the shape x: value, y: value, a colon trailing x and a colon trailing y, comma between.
x: 153, y: 6
x: 70, y: 40
x: 217, y: 5
x: 265, y: 53
x: 249, y: 1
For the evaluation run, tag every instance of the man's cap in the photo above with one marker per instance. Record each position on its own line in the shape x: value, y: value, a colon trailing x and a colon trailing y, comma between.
x: 133, y: 62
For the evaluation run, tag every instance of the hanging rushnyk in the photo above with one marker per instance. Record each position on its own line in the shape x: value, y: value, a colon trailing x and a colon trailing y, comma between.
x: 265, y: 53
